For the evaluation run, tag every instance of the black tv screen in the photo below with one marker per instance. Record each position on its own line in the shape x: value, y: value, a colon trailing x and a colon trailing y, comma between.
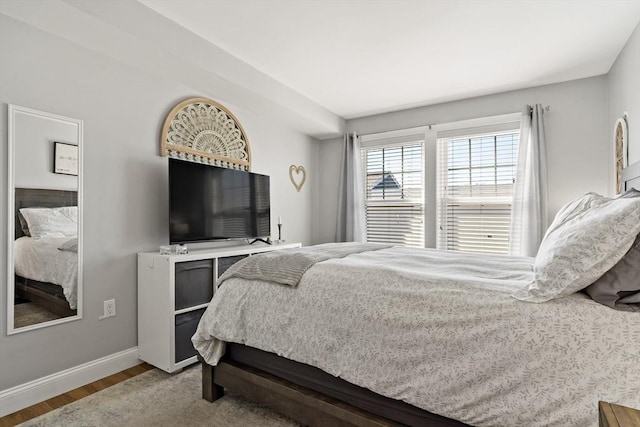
x: 211, y: 203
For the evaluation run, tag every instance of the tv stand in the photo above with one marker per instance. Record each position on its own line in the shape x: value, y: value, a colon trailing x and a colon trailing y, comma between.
x: 259, y: 240
x: 173, y: 293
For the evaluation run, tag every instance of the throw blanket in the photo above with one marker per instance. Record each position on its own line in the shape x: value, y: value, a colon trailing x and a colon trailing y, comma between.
x: 287, y: 267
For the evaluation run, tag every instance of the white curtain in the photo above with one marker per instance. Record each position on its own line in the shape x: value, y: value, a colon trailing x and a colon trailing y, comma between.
x: 529, y: 208
x: 351, y: 225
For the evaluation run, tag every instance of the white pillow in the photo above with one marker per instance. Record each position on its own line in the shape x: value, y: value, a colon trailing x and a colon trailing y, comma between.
x: 585, y: 244
x: 575, y: 208
x: 51, y: 222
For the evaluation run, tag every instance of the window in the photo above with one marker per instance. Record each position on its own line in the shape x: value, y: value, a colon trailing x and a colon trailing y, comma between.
x: 475, y: 190
x: 394, y: 193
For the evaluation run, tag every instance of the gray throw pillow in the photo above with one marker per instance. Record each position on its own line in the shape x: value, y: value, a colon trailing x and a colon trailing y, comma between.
x: 23, y: 224
x: 619, y: 287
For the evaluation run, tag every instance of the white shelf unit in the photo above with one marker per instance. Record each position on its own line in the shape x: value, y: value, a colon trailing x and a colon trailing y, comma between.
x: 173, y: 292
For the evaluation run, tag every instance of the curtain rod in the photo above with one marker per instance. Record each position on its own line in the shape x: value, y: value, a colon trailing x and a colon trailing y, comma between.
x: 545, y: 108
x: 431, y: 125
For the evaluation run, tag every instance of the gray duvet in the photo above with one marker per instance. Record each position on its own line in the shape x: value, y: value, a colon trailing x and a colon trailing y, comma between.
x: 440, y: 331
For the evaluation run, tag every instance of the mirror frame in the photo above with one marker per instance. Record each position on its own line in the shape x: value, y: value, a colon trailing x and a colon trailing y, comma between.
x: 13, y: 111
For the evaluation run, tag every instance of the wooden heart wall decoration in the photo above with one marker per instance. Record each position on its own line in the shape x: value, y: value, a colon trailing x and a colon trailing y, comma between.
x: 299, y: 178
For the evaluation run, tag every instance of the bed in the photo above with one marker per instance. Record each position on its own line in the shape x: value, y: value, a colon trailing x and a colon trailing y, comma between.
x: 46, y: 267
x: 392, y: 335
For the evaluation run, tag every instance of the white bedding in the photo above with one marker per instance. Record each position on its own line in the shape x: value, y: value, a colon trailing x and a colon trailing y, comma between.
x: 440, y: 331
x: 41, y: 260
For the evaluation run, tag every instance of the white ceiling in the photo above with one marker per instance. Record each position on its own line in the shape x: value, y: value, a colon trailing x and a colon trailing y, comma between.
x: 359, y: 57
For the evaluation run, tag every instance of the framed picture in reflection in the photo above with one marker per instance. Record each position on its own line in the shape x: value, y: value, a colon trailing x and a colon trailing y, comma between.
x: 65, y: 158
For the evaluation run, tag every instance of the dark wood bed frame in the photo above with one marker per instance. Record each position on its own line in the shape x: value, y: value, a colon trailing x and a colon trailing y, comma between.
x: 304, y: 404
x: 308, y: 406
x: 47, y: 295
x: 297, y: 402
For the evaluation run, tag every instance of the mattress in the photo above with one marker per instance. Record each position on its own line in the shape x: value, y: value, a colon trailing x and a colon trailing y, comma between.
x: 440, y: 331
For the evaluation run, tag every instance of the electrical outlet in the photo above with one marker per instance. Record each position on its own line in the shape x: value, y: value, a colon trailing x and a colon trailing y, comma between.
x: 109, y: 308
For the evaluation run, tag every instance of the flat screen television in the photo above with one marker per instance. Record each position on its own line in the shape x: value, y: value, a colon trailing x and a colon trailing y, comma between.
x: 209, y: 203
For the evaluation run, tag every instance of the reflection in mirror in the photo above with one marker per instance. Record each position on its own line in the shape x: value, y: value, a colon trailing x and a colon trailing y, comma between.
x: 44, y: 285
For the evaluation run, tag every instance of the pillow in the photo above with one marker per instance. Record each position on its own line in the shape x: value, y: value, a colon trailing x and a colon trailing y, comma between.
x: 70, y: 211
x: 632, y: 192
x: 631, y: 299
x: 619, y: 287
x: 23, y: 224
x: 573, y: 209
x: 583, y: 247
x: 51, y: 222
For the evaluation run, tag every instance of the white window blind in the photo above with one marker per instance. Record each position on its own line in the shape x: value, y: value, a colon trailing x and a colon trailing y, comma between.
x: 475, y: 191
x: 395, y: 193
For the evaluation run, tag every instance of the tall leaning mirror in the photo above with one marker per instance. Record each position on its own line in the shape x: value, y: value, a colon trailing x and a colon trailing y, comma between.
x: 44, y: 285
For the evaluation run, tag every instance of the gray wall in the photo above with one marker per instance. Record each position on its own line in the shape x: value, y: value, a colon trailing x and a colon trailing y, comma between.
x: 579, y: 131
x: 125, y: 183
x: 329, y: 158
x: 624, y: 96
x: 34, y: 150
x: 578, y: 138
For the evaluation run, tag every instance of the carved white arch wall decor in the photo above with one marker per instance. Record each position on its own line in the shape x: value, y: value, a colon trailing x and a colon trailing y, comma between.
x: 201, y: 130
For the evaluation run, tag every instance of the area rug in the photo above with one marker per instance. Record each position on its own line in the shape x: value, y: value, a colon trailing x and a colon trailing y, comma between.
x: 156, y: 398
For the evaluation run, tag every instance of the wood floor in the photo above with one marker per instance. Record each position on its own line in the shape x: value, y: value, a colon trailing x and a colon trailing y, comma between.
x: 71, y: 396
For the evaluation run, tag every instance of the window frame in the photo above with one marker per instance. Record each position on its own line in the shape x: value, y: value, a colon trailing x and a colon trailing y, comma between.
x: 390, y: 140
x: 479, y: 202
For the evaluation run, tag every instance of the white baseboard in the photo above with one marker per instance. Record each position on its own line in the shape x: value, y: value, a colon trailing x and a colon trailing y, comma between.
x: 36, y: 391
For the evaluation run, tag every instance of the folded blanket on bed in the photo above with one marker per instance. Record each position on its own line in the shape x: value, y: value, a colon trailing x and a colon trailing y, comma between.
x: 286, y: 267
x: 70, y: 245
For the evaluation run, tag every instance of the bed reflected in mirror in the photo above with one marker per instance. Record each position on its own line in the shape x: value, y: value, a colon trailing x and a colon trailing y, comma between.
x: 44, y: 285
